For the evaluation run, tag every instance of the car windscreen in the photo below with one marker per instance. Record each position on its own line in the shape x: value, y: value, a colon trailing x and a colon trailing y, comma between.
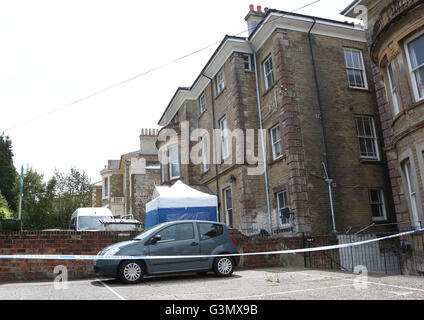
x: 91, y: 222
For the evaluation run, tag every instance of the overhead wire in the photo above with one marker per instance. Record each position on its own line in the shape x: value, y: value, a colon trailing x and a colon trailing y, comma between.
x: 120, y: 83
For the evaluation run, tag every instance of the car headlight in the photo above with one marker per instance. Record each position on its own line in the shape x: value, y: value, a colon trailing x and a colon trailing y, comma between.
x: 111, y: 252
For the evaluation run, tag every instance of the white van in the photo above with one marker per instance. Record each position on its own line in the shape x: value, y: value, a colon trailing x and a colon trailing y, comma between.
x: 89, y: 219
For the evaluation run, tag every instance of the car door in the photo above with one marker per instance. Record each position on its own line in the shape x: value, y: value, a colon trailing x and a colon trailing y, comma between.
x: 210, y: 238
x: 179, y: 239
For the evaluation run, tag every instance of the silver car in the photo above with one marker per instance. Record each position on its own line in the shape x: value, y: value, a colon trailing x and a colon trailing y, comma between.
x: 177, y: 238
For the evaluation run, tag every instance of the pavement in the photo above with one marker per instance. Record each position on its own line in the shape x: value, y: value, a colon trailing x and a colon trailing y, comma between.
x: 245, y: 284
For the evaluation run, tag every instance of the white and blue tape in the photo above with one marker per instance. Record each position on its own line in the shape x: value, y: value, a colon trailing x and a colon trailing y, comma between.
x: 293, y: 251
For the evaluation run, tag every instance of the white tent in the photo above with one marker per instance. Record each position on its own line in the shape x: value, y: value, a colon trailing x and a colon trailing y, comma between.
x: 180, y: 202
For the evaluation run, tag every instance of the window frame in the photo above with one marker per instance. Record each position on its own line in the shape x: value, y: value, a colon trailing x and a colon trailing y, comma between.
x: 279, y: 209
x: 205, y: 155
x: 176, y: 226
x: 412, y: 75
x: 106, y: 187
x: 374, y: 138
x: 226, y: 210
x: 381, y: 204
x: 363, y: 71
x: 394, y: 91
x: 273, y: 143
x: 250, y: 61
x: 171, y: 163
x: 218, y: 83
x: 224, y: 138
x: 199, y: 227
x: 271, y: 72
x: 202, y: 106
x: 410, y: 182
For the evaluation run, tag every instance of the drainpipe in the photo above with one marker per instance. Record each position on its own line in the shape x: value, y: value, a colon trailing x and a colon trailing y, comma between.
x: 213, y: 129
x: 325, y: 164
x: 262, y: 140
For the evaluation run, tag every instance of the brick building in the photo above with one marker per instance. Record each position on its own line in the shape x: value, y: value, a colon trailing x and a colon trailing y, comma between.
x: 305, y: 82
x: 395, y: 34
x: 127, y: 184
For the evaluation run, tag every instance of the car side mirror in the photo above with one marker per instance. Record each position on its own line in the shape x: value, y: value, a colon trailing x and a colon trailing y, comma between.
x: 155, y: 239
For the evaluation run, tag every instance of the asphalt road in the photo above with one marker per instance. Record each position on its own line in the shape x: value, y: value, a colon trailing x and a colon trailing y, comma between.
x: 269, y: 284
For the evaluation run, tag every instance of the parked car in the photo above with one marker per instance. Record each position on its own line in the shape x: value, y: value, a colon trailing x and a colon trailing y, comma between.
x: 170, y: 239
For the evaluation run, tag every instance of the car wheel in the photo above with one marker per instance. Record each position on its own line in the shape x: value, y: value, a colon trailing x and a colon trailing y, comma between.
x: 131, y: 271
x: 223, y: 266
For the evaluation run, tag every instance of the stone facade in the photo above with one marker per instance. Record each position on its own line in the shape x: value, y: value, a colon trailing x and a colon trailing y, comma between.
x: 316, y: 121
x: 393, y: 26
x: 128, y: 183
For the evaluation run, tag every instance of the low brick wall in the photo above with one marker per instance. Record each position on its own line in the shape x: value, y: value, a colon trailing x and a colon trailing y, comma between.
x: 57, y: 242
x: 90, y: 243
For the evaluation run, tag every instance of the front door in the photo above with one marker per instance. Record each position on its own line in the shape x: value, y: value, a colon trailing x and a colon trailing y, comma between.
x: 176, y: 240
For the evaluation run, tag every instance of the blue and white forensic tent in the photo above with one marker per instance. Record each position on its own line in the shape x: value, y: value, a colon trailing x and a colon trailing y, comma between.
x: 180, y: 202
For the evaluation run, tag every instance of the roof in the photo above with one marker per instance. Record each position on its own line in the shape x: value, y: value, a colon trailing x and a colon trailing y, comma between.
x: 180, y: 195
x: 180, y: 89
x: 292, y: 14
x: 348, y: 11
x: 113, y: 164
x: 293, y: 21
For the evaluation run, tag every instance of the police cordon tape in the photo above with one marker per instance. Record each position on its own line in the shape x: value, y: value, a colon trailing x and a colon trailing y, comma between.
x: 111, y: 257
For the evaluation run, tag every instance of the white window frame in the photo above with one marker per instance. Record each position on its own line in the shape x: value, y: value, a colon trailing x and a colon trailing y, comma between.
x: 226, y: 209
x: 374, y: 138
x: 220, y: 81
x: 249, y: 61
x: 412, y: 191
x: 394, y: 88
x: 363, y: 71
x: 106, y: 196
x: 273, y: 143
x: 381, y: 203
x: 270, y: 72
x: 224, y: 138
x: 411, y: 69
x: 279, y: 209
x: 173, y: 162
x: 202, y: 103
x: 205, y: 153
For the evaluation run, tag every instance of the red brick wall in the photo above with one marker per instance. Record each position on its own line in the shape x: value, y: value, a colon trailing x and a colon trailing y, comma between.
x: 61, y: 242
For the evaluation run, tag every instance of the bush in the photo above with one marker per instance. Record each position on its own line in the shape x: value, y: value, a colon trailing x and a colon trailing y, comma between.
x: 5, y: 213
x: 10, y: 224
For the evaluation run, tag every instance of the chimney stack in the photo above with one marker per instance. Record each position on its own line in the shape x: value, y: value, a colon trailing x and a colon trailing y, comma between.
x: 148, y: 141
x: 253, y: 18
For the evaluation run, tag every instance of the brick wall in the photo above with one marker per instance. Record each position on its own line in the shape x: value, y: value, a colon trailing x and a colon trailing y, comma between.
x: 61, y: 242
x: 90, y: 243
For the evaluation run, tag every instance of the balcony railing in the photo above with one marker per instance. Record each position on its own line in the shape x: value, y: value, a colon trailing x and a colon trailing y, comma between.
x: 392, y: 11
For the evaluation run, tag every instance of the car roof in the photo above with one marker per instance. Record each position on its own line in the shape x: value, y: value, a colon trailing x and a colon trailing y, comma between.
x: 92, y: 212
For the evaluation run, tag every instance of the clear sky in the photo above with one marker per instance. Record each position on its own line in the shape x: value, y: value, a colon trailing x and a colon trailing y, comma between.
x: 53, y: 52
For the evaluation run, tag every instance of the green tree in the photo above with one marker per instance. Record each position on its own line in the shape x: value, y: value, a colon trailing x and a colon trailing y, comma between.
x: 72, y: 190
x: 4, y: 208
x: 36, y: 201
x: 8, y: 174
